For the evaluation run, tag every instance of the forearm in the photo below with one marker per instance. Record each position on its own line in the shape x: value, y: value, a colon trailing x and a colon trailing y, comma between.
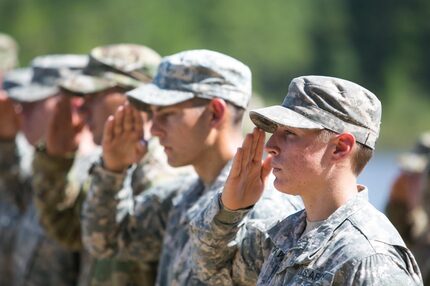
x: 99, y: 225
x: 57, y: 199
x: 213, y: 234
x: 14, y: 188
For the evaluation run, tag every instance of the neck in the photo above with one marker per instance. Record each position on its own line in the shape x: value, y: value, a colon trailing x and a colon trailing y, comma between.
x: 321, y: 203
x: 211, y: 163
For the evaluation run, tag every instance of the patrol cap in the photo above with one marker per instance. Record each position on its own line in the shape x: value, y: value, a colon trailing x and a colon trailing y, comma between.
x: 47, y: 71
x: 196, y: 74
x: 17, y: 77
x: 118, y: 65
x: 318, y: 102
x: 418, y: 158
x: 8, y: 52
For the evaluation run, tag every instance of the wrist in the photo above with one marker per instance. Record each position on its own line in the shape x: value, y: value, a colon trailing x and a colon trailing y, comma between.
x: 111, y: 167
x: 42, y: 147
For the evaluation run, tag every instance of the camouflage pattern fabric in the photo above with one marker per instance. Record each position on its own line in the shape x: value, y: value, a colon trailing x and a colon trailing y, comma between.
x: 347, y: 249
x: 229, y: 247
x: 318, y: 102
x: 356, y: 245
x: 14, y: 197
x: 151, y: 233
x: 59, y: 199
x: 120, y: 65
x: 33, y: 259
x: 196, y: 73
x: 38, y: 260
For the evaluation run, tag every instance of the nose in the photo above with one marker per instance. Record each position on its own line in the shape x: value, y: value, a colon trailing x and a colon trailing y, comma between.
x: 271, y: 146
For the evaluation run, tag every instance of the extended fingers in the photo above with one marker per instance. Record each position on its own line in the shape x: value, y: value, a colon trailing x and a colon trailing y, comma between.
x: 128, y: 118
x: 138, y: 123
x: 259, y: 146
x: 237, y: 163
x: 108, y: 132
x: 119, y: 121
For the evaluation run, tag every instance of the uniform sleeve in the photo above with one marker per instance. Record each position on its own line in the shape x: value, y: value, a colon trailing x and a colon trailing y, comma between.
x: 215, y: 235
x: 138, y: 234
x: 14, y: 187
x: 378, y: 269
x: 57, y: 199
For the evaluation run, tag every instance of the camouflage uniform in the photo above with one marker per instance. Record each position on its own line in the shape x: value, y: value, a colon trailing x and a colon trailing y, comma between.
x: 30, y: 257
x: 151, y: 233
x: 339, y: 252
x: 160, y: 231
x: 59, y: 199
x: 14, y: 197
x: 60, y: 202
x: 14, y: 184
x: 38, y: 260
x: 355, y: 245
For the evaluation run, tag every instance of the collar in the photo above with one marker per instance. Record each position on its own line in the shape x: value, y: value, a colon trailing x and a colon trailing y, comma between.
x: 287, y: 235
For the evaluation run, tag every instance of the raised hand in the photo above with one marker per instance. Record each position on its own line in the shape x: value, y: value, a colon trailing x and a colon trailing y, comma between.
x: 123, y: 142
x: 64, y: 130
x: 9, y: 118
x: 248, y: 175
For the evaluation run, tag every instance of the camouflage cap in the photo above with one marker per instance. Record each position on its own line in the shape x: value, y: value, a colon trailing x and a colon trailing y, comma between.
x: 47, y: 71
x: 119, y: 65
x: 418, y: 158
x: 317, y: 102
x: 196, y: 73
x: 8, y: 52
x: 17, y: 77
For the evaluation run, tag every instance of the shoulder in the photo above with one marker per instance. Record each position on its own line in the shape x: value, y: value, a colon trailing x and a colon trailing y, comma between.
x: 168, y: 189
x: 375, y: 226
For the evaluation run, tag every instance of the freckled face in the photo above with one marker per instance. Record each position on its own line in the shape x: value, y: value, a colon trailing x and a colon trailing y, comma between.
x: 298, y: 159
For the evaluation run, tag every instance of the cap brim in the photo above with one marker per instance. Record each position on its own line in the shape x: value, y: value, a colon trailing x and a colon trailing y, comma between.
x: 32, y: 92
x: 413, y: 162
x: 151, y: 94
x: 85, y: 84
x: 269, y: 118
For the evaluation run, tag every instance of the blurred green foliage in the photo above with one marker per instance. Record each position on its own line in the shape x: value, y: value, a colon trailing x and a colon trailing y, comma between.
x: 383, y: 45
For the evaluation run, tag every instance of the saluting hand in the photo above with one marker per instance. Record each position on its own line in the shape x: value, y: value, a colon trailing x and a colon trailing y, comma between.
x: 248, y: 175
x: 123, y: 142
x: 9, y: 118
x: 64, y: 130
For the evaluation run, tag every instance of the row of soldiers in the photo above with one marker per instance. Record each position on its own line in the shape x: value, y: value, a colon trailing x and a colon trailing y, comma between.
x: 141, y: 176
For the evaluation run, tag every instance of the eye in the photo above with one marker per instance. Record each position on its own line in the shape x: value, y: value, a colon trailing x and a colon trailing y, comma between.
x: 288, y: 132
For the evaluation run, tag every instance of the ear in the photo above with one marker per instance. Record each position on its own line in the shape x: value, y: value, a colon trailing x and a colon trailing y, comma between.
x: 344, y: 145
x: 218, y: 108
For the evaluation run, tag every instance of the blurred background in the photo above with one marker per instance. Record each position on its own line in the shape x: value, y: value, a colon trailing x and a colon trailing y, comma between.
x: 382, y: 45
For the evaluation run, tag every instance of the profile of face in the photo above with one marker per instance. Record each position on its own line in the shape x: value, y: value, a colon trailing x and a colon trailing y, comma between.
x: 299, y: 159
x: 98, y: 107
x: 183, y: 131
x: 35, y: 118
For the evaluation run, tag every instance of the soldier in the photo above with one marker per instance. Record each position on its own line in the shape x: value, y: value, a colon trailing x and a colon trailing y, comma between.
x: 10, y: 199
x: 37, y: 260
x: 196, y: 101
x: 111, y: 71
x: 324, y: 133
x: 404, y: 207
x: 409, y: 205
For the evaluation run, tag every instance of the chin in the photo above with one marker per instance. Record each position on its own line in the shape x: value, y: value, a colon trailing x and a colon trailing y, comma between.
x: 283, y: 188
x: 174, y: 162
